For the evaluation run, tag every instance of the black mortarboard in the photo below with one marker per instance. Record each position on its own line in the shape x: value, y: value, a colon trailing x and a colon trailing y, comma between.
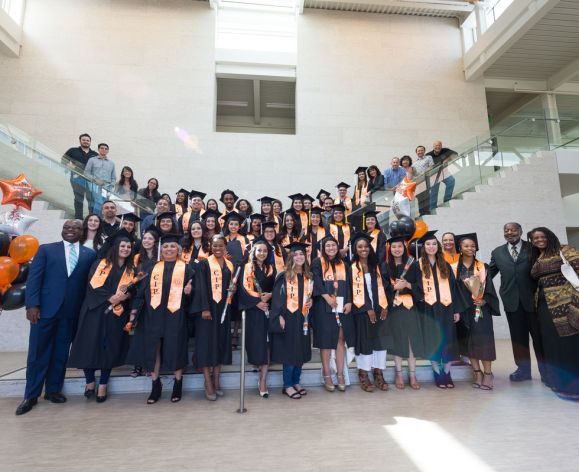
x: 182, y: 190
x: 342, y: 184
x: 171, y: 238
x: 209, y: 213
x: 233, y: 215
x: 308, y: 198
x: 156, y: 232
x: 130, y: 217
x: 256, y: 216
x: 196, y: 193
x: 296, y: 246
x: 396, y: 239
x: 371, y: 214
x: 296, y: 196
x: 268, y: 224
x: 319, y: 195
x: 230, y: 192
x: 360, y: 235
x: 266, y: 200
x: 119, y: 235
x: 165, y: 214
x: 339, y: 207
x: 360, y: 169
x: 428, y: 236
x: 316, y: 210
x: 293, y: 213
x: 461, y: 237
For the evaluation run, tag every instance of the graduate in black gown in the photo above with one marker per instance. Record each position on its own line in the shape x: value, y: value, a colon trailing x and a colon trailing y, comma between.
x: 129, y: 223
x: 371, y: 226
x: 315, y: 233
x: 166, y: 223
x: 289, y: 327
x: 161, y: 334
x: 404, y: 324
x: 278, y: 254
x: 369, y: 310
x: 340, y: 229
x: 195, y: 244
x: 439, y: 315
x: 333, y: 324
x: 257, y: 279
x: 480, y: 337
x: 100, y: 342
x: 213, y: 337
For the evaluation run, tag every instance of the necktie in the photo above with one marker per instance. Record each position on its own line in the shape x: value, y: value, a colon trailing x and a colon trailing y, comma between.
x: 514, y: 253
x: 72, y: 258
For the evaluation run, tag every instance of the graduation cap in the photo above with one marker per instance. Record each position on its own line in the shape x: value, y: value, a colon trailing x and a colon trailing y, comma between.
x: 339, y: 207
x: 360, y: 235
x: 342, y: 185
x: 165, y: 215
x: 316, y: 211
x: 256, y: 216
x: 268, y: 224
x: 297, y: 246
x: 322, y: 191
x: 461, y: 237
x: 171, y: 238
x: 309, y: 198
x: 117, y: 236
x: 266, y: 200
x: 228, y: 192
x: 233, y: 216
x: 396, y: 239
x: 296, y: 196
x: 130, y: 217
x: 183, y: 191
x: 197, y: 194
x: 428, y: 236
x: 371, y: 214
x: 293, y: 213
x: 210, y: 213
x: 360, y: 169
x: 156, y: 232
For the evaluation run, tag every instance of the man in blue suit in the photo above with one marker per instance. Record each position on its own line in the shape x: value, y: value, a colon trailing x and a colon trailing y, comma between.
x: 55, y: 290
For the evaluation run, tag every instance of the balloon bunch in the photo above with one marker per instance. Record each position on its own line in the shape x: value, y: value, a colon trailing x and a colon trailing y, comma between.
x: 16, y: 249
x: 405, y: 227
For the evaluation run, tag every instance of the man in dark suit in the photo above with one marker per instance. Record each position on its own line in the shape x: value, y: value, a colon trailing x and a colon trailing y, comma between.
x: 513, y: 262
x: 55, y: 290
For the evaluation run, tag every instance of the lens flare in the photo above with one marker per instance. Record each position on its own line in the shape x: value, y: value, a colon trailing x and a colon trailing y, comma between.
x: 191, y: 142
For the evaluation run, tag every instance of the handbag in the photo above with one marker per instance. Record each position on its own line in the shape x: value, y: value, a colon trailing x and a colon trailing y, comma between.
x: 569, y: 273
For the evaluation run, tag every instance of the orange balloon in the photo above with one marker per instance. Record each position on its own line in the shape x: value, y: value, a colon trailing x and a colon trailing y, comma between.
x: 421, y: 229
x: 23, y: 248
x: 9, y: 270
x: 18, y: 191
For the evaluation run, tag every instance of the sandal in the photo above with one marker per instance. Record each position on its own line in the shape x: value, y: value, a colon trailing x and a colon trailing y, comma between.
x: 486, y: 386
x: 399, y: 382
x: 412, y: 380
x: 136, y: 372
x: 448, y: 380
x: 294, y: 396
x: 365, y: 383
x: 341, y: 385
x: 379, y: 380
x: 156, y: 389
x: 475, y: 383
x: 301, y: 390
x: 177, y: 390
x: 329, y: 387
x: 439, y: 379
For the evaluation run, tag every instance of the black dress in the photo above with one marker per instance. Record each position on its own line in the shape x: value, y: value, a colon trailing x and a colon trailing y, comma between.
x: 212, y: 338
x: 256, y: 321
x: 404, y: 324
x: 323, y: 318
x: 370, y: 337
x: 238, y: 257
x: 291, y: 346
x: 159, y: 326
x: 480, y: 337
x: 100, y: 342
x: 438, y: 327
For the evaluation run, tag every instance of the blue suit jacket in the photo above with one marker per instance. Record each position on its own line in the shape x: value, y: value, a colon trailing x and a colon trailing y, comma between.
x: 49, y: 286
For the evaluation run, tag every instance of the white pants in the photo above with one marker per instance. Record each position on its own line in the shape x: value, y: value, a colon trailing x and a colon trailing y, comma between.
x: 376, y: 360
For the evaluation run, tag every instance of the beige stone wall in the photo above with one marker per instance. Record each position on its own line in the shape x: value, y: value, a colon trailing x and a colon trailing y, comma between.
x: 369, y: 87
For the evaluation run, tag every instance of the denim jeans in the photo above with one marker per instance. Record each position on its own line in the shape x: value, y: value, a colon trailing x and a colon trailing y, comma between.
x: 89, y: 375
x: 291, y: 375
x: 449, y: 184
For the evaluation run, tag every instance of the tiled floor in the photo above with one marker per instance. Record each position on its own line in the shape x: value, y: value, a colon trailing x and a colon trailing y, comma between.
x: 515, y: 427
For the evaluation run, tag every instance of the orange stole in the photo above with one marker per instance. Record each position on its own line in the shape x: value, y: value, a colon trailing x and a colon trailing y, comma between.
x: 479, y: 271
x: 176, y: 289
x: 248, y: 280
x: 430, y: 292
x: 186, y: 255
x: 187, y: 217
x: 278, y: 259
x: 338, y: 272
x: 374, y: 242
x: 451, y: 259
x: 360, y: 194
x: 304, y: 220
x: 292, y: 293
x: 320, y: 234
x: 358, y: 292
x: 347, y: 203
x: 403, y: 299
x: 100, y: 276
x: 136, y: 258
x: 217, y: 277
x: 241, y: 239
x: 345, y: 230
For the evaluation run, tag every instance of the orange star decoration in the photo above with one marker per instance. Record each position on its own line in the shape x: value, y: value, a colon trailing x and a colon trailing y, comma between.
x: 407, y: 188
x: 19, y: 192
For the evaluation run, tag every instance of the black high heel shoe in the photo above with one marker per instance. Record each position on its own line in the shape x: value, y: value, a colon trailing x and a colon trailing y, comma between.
x: 448, y: 380
x: 89, y: 393
x: 439, y: 379
x: 156, y: 389
x: 177, y: 390
x: 102, y: 398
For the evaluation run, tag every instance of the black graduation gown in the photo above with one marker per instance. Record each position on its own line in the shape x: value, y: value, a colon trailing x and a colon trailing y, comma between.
x: 100, y: 342
x: 238, y: 257
x: 370, y: 337
x: 256, y: 322
x: 438, y: 327
x: 404, y: 324
x: 291, y: 346
x: 323, y: 318
x: 159, y: 326
x: 480, y: 336
x: 315, y: 244
x: 212, y: 338
x: 381, y: 247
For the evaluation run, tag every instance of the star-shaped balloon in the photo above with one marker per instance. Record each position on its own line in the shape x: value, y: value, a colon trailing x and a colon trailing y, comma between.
x: 15, y: 222
x: 19, y: 192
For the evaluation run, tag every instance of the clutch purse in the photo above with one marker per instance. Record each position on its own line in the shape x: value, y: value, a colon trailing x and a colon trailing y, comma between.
x: 569, y: 273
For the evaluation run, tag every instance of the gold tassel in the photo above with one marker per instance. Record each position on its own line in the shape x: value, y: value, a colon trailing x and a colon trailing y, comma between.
x: 364, y: 222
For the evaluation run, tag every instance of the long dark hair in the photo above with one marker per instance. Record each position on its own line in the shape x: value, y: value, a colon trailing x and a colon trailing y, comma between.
x: 132, y: 181
x: 98, y: 237
x: 297, y: 227
x: 187, y: 241
x: 372, y: 257
x: 390, y: 259
x: 266, y: 262
x: 324, y: 255
x: 553, y: 243
x: 247, y: 212
x: 112, y: 255
x: 212, y: 200
x: 217, y: 224
x: 143, y: 256
x: 440, y: 262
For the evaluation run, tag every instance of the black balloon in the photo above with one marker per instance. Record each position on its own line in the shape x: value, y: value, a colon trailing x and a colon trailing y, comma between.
x: 14, y: 298
x: 4, y: 244
x: 23, y: 274
x: 404, y: 227
x: 415, y: 248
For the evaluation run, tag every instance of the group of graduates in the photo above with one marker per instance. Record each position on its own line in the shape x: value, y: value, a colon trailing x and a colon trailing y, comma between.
x: 304, y: 277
